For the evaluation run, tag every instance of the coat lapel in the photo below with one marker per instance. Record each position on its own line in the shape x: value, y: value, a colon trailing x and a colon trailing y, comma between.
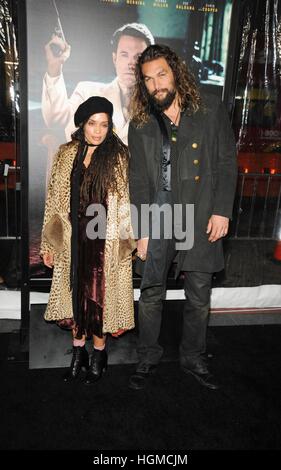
x: 114, y: 95
x: 190, y: 131
x: 152, y: 148
x: 69, y: 155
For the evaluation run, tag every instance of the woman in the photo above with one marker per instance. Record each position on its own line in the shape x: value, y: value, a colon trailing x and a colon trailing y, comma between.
x: 87, y: 237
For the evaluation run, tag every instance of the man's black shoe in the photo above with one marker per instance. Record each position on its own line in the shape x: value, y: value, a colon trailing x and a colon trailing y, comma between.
x: 138, y: 379
x: 199, y: 370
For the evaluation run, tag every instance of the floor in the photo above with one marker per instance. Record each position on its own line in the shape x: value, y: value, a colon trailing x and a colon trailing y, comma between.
x: 174, y: 413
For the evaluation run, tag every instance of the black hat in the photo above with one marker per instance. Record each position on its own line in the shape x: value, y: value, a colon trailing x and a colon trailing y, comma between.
x: 93, y: 105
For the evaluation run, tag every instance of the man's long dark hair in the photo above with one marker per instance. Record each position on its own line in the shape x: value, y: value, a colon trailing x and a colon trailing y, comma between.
x: 105, y: 166
x: 186, y: 87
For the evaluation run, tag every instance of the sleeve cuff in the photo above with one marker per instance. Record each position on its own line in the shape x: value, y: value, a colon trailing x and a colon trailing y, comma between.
x: 51, y: 81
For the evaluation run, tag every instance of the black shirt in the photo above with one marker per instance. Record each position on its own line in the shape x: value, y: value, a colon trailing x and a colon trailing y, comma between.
x: 172, y: 130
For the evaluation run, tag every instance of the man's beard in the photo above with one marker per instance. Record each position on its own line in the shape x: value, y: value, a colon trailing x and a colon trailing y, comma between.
x: 165, y: 103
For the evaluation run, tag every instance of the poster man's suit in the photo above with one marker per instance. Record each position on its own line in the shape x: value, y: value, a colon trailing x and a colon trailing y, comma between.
x: 58, y: 108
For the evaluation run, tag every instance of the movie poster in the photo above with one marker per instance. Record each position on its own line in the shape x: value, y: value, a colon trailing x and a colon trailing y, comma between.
x: 76, y: 50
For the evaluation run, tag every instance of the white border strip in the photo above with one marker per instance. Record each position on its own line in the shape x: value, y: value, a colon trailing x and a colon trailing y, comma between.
x: 10, y: 304
x: 266, y: 296
x: 229, y: 299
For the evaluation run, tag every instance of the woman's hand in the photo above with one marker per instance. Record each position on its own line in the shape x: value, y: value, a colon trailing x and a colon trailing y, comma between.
x: 142, y: 245
x: 48, y: 259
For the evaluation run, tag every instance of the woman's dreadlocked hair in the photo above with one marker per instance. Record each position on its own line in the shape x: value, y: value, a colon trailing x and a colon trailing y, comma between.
x: 105, y: 166
x: 184, y: 81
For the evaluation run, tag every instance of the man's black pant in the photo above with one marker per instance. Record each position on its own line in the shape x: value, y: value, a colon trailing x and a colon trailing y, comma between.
x: 197, y: 287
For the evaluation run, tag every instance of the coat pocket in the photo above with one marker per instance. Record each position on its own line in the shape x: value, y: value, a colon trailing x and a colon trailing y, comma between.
x: 126, y: 248
x: 54, y: 232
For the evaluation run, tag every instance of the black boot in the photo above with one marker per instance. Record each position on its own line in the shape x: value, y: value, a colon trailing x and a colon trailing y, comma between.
x: 97, y: 367
x: 80, y: 360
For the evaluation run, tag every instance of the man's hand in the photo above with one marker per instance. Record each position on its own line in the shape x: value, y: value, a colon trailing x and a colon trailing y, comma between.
x: 55, y: 62
x: 142, y: 245
x: 217, y: 227
x: 48, y: 259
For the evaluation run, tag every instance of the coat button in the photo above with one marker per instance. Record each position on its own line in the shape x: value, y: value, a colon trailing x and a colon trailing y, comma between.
x: 194, y: 145
x: 195, y: 162
x: 197, y: 178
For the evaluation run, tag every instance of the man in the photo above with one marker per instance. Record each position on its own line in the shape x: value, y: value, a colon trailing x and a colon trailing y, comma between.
x: 182, y: 152
x: 128, y: 42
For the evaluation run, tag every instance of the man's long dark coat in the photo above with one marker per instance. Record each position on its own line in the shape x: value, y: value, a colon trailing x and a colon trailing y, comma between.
x: 206, y: 175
